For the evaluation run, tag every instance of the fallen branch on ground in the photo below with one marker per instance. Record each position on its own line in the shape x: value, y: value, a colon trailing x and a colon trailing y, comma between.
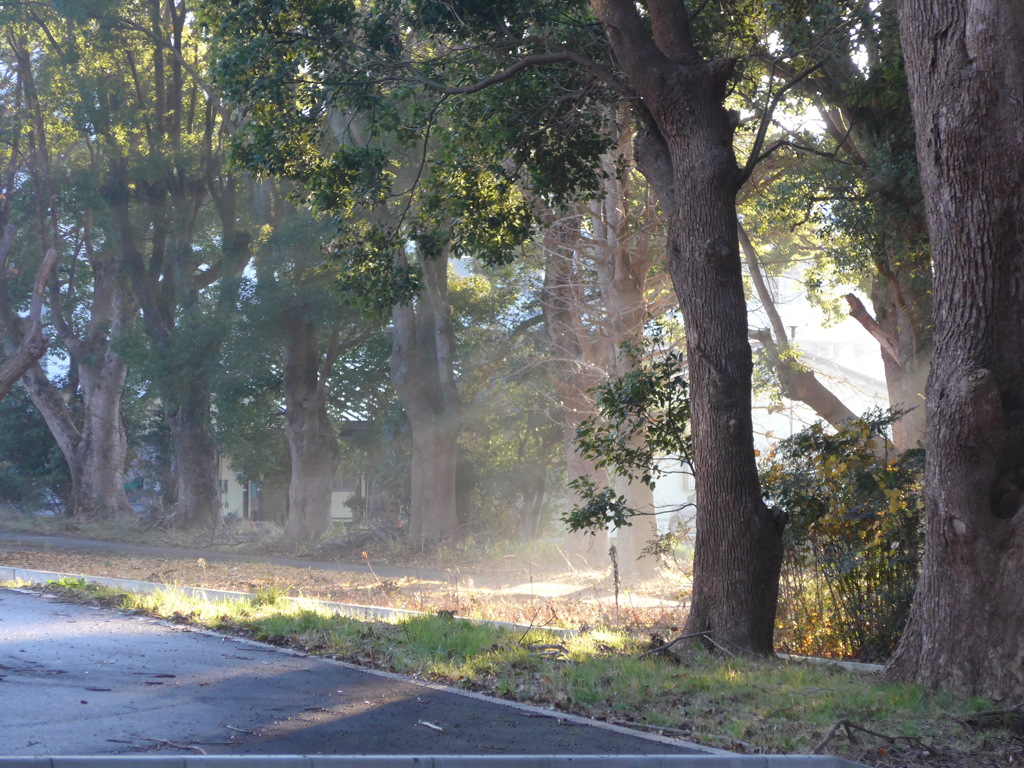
x: 850, y: 727
x: 670, y: 643
x: 200, y: 750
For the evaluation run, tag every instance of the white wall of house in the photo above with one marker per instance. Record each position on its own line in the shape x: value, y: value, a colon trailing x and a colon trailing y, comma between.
x: 241, y: 500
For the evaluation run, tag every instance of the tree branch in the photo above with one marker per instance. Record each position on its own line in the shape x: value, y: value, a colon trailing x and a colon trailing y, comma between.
x: 527, y: 62
x: 33, y: 344
x: 670, y: 28
x: 755, y: 155
x: 860, y: 313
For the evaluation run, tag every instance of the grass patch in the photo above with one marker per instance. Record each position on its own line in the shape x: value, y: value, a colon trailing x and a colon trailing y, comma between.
x: 750, y: 705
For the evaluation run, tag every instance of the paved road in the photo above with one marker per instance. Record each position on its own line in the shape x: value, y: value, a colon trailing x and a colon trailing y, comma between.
x: 80, y: 680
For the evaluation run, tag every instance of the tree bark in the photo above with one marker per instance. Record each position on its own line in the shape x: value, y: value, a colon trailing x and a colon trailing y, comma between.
x: 423, y: 377
x: 623, y: 257
x: 965, y: 67
x: 312, y: 439
x: 102, y: 450
x: 31, y: 347
x: 738, y: 548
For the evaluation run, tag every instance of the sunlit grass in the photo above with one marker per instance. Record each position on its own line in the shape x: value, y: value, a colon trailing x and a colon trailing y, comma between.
x: 737, y: 703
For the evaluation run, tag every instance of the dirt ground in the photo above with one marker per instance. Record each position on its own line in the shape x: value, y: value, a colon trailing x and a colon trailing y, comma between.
x: 541, y: 597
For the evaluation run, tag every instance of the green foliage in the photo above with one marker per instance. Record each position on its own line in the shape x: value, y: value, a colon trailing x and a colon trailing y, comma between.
x: 641, y: 416
x: 32, y: 470
x: 854, y: 537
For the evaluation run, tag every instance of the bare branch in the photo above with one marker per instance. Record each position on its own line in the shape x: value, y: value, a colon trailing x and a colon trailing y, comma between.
x: 33, y: 344
x: 860, y: 313
x: 762, y: 131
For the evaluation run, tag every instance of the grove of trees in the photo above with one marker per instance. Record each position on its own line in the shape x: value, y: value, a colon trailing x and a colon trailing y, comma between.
x: 442, y: 229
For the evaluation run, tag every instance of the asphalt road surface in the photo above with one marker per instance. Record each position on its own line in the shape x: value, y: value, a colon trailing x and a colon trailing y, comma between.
x: 76, y: 680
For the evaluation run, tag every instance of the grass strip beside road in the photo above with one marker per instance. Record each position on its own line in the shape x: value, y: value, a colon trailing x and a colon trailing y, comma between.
x: 743, y: 704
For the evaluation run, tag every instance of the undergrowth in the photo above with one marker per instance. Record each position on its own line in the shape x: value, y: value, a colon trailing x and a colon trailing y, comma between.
x: 744, y: 704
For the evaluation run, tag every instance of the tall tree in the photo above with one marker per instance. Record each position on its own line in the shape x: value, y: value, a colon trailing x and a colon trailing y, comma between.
x: 297, y: 318
x: 686, y: 152
x: 965, y: 68
x: 89, y: 305
x: 861, y: 185
x: 177, y: 218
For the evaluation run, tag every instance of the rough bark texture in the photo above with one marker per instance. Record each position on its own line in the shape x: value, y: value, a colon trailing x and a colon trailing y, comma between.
x: 965, y: 67
x: 423, y: 377
x: 738, y: 549
x: 312, y: 439
x: 103, y: 450
x: 195, y: 459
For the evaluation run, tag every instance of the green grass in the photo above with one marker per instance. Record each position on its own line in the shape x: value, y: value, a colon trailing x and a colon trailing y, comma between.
x: 738, y: 703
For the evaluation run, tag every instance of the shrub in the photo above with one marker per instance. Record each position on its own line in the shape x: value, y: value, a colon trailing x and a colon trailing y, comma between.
x: 854, y: 537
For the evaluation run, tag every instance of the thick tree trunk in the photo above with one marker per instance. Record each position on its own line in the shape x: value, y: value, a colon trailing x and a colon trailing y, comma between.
x: 433, y: 514
x: 622, y: 259
x: 589, y: 548
x: 102, y: 450
x: 423, y: 377
x: 96, y: 453
x: 575, y: 371
x: 738, y: 548
x: 965, y: 66
x: 195, y: 459
x: 633, y: 539
x: 312, y: 439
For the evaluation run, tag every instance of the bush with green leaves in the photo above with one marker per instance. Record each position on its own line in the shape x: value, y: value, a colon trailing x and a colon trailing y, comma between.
x: 642, y: 416
x: 854, y: 537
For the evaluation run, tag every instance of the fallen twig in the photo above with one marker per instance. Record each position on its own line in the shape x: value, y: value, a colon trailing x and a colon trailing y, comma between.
x: 550, y: 651
x: 848, y: 726
x: 670, y: 643
x: 827, y: 738
x: 530, y: 628
x: 431, y: 725
x: 720, y: 647
x: 240, y: 730
x: 200, y: 750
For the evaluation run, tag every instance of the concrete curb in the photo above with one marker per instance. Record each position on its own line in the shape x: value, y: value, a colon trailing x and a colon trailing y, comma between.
x: 437, y: 761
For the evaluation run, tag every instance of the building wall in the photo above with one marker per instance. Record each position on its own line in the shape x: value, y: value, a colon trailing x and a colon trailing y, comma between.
x: 269, y: 502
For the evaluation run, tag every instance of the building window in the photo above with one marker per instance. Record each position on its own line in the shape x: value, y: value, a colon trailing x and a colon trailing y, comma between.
x: 346, y: 483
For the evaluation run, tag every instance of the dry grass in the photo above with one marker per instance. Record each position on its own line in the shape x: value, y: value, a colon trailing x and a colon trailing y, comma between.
x: 538, y: 595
